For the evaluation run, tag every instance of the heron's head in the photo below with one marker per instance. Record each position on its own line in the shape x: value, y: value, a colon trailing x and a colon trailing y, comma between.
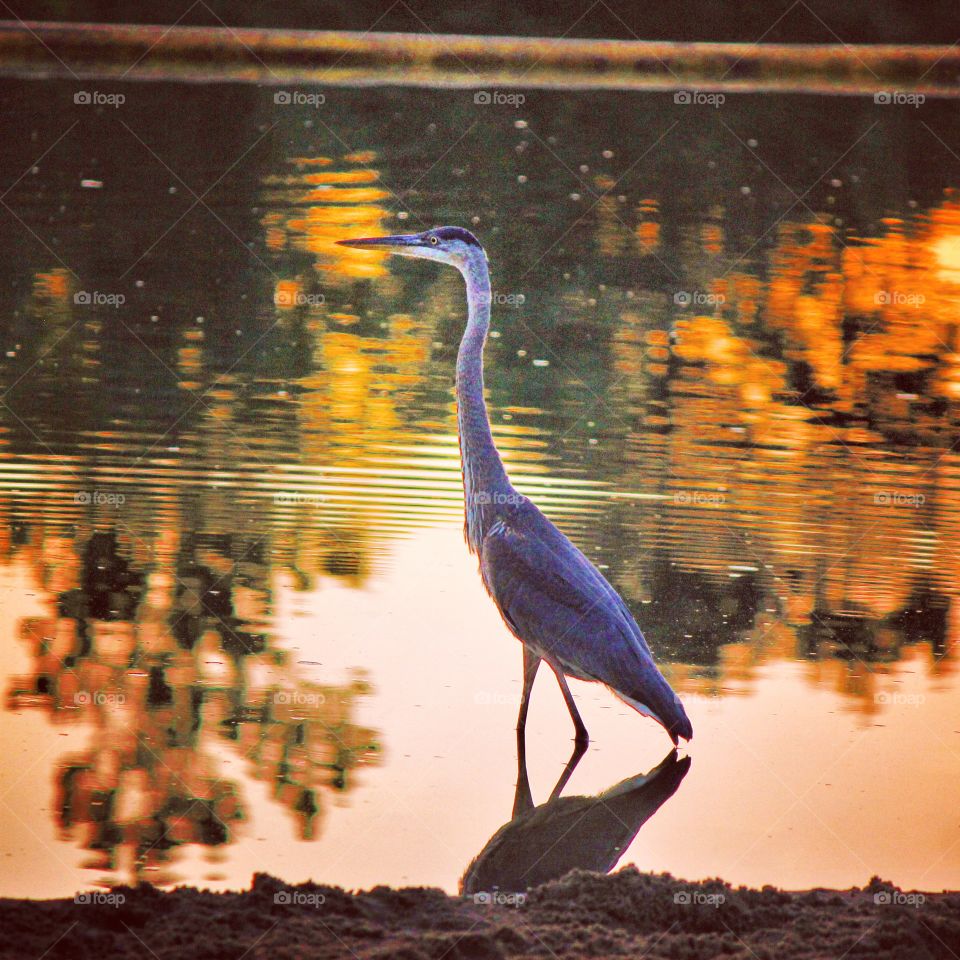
x: 452, y: 245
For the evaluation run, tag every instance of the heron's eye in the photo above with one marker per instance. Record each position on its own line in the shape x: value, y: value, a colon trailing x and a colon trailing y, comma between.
x: 434, y: 241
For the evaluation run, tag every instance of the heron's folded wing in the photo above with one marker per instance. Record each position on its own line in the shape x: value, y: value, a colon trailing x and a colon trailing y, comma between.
x: 551, y: 595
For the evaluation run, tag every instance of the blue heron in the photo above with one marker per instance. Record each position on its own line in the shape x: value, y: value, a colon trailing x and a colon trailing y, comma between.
x: 553, y: 599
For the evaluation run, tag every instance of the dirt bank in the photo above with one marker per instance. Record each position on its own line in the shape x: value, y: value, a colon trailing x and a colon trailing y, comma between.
x: 583, y: 915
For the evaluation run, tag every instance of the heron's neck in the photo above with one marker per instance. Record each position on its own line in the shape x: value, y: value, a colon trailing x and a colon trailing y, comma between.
x: 485, y: 482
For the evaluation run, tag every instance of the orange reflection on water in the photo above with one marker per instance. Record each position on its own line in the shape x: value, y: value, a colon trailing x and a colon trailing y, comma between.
x: 317, y: 209
x: 781, y: 467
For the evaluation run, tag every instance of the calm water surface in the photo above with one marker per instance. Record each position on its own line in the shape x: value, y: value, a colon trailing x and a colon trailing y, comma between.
x: 240, y: 628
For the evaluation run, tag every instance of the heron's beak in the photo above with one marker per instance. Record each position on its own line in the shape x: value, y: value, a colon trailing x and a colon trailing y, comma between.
x: 397, y: 242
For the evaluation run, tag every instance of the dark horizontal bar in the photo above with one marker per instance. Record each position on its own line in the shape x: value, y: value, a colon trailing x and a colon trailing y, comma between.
x: 209, y: 54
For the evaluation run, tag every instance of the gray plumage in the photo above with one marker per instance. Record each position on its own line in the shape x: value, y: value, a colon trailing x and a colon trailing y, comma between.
x: 553, y: 599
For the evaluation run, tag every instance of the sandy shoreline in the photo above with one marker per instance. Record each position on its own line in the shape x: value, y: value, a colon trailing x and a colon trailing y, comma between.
x: 583, y: 915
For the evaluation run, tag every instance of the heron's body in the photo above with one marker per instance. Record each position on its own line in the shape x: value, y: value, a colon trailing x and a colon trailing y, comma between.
x: 553, y: 599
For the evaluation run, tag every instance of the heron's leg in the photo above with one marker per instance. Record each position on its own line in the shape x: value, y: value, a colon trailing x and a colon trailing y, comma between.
x: 579, y: 749
x: 582, y: 737
x: 522, y: 798
x: 530, y: 664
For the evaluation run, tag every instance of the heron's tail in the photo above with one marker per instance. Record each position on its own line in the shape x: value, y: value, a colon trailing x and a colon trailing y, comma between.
x: 654, y: 698
x: 682, y: 727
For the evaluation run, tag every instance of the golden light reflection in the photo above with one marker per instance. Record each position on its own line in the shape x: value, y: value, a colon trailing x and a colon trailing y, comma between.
x: 314, y: 210
x: 787, y: 466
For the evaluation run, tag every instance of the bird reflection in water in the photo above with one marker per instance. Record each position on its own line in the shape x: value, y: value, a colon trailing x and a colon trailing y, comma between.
x: 543, y: 843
